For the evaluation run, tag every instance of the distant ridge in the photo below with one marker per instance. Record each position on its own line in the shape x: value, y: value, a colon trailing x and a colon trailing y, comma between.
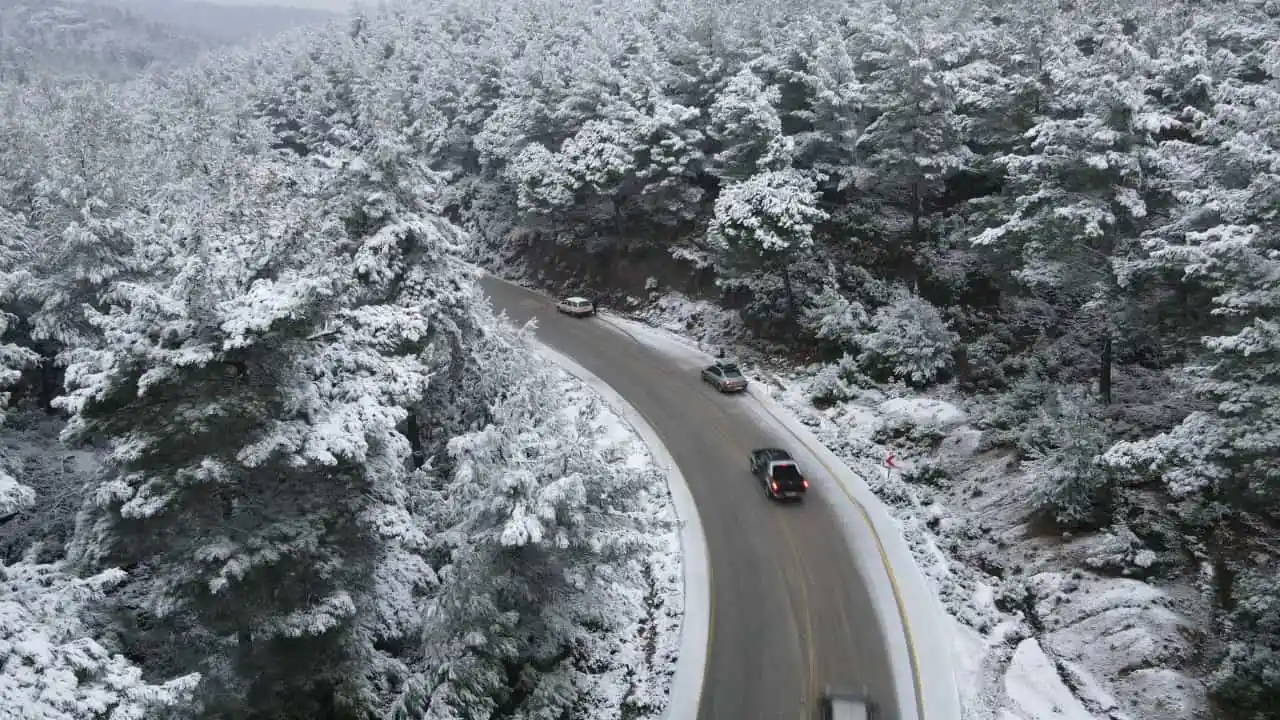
x: 110, y: 42
x: 114, y: 40
x: 223, y: 23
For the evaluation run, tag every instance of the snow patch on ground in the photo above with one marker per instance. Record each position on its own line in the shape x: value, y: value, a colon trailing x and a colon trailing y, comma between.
x: 922, y: 411
x: 1044, y: 630
x: 633, y: 679
x: 1034, y: 688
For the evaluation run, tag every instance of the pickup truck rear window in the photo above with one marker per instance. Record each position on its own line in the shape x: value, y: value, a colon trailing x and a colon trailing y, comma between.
x: 787, y: 473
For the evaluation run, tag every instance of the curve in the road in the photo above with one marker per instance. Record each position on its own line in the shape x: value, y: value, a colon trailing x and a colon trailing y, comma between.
x: 789, y: 613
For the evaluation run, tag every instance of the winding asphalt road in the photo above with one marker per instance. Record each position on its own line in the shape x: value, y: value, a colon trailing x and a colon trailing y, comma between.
x: 789, y: 613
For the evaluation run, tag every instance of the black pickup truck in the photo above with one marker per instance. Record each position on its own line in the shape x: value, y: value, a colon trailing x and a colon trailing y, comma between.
x: 779, y: 473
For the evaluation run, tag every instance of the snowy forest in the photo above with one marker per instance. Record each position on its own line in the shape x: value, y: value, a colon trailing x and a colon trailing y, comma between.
x: 331, y: 474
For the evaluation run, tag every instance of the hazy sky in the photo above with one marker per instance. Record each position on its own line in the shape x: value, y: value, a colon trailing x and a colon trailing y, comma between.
x: 336, y: 5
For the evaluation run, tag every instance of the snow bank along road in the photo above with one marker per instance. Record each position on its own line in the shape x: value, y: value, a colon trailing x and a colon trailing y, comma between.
x: 790, y: 613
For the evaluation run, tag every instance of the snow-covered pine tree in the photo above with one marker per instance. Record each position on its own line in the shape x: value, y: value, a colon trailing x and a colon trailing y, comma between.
x: 50, y: 666
x: 763, y: 227
x: 417, y: 317
x: 600, y: 158
x: 743, y: 121
x: 1063, y: 447
x: 912, y: 147
x: 831, y: 113
x: 670, y: 156
x: 1219, y: 463
x: 1079, y: 193
x: 543, y: 187
x: 13, y: 360
x: 542, y: 526
x: 252, y: 405
x: 907, y: 339
x: 834, y: 318
x: 1225, y: 240
x: 420, y: 313
x: 80, y: 212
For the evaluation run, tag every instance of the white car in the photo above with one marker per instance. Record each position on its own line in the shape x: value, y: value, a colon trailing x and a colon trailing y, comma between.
x: 847, y: 706
x: 725, y: 377
x: 576, y: 306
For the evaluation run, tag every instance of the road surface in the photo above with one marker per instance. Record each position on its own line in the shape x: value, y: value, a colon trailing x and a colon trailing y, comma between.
x: 789, y: 614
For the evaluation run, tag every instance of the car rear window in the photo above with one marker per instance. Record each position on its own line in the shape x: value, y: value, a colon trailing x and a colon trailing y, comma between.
x: 731, y: 370
x: 787, y: 473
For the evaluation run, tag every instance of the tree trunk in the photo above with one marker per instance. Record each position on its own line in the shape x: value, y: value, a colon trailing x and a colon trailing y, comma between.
x: 1224, y: 576
x: 244, y: 644
x: 50, y: 383
x: 790, y: 296
x: 917, y: 233
x: 916, y: 212
x: 414, y: 431
x: 964, y: 373
x: 1104, y: 376
x: 618, y: 224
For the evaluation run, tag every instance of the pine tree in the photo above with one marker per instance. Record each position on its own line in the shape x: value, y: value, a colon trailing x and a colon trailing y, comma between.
x: 1080, y: 193
x: 1219, y: 463
x: 908, y: 340
x: 743, y: 121
x: 51, y: 668
x: 82, y: 213
x: 832, y: 113
x: 13, y: 360
x: 253, y: 403
x: 912, y: 147
x: 541, y: 528
x: 763, y: 227
x: 1063, y: 447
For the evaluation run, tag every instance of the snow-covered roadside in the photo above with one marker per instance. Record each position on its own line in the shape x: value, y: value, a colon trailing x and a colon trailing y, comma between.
x: 660, y: 661
x: 1036, y: 637
x: 1053, y: 640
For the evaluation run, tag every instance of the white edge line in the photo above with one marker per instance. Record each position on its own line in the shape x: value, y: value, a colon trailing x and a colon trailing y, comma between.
x: 685, y: 692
